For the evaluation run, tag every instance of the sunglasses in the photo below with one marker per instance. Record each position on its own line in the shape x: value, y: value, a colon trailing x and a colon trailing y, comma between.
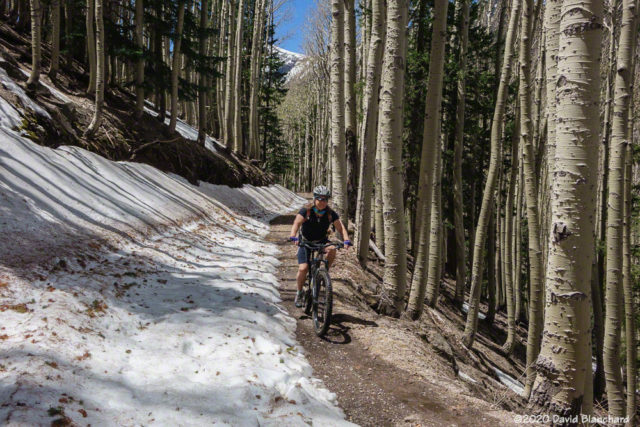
x: 321, y: 199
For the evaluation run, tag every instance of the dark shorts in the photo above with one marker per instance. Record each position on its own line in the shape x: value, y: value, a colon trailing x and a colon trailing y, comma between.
x: 304, y: 254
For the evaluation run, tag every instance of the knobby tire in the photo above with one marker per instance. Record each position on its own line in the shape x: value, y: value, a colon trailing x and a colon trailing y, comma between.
x: 324, y: 302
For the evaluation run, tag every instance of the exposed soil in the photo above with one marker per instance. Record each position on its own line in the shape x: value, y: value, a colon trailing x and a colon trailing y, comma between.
x: 122, y: 136
x: 388, y: 371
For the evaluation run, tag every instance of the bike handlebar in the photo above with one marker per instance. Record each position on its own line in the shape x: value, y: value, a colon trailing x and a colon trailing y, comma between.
x: 317, y: 246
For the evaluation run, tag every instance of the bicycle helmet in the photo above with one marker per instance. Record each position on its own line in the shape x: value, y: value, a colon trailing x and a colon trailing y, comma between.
x: 321, y: 191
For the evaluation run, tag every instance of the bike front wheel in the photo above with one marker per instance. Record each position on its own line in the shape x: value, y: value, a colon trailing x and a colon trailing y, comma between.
x: 323, y: 303
x: 308, y: 299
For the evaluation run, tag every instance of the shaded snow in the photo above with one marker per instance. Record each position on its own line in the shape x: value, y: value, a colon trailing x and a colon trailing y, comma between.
x: 176, y: 321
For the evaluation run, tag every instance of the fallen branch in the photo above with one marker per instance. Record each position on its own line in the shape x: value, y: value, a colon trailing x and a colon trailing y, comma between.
x: 376, y: 251
x: 149, y: 144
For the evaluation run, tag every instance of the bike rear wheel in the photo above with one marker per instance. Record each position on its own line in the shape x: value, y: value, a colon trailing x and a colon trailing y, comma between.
x: 323, y: 303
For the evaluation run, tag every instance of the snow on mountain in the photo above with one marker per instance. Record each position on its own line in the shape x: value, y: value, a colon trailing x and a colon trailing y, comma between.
x: 290, y: 59
x: 130, y: 297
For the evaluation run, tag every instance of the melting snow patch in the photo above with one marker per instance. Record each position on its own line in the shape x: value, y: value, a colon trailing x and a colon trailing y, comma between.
x: 185, y: 129
x: 509, y: 381
x: 465, y: 308
x: 466, y: 377
x: 27, y: 102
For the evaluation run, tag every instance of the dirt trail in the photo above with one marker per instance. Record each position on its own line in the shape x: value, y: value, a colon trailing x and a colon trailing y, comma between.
x: 371, y: 391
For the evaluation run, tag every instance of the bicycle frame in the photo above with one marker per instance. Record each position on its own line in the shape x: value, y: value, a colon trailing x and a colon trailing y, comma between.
x: 316, y: 259
x: 317, y: 249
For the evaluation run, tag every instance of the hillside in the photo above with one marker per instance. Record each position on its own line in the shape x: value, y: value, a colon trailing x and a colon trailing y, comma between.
x: 59, y: 112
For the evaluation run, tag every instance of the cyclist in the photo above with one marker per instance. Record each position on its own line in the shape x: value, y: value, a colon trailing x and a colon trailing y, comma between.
x: 315, y: 222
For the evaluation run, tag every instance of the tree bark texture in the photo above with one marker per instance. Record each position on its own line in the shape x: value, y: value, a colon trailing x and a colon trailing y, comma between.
x: 175, y: 67
x: 615, y: 210
x: 100, y: 70
x: 351, y: 137
x: 431, y: 136
x: 564, y: 362
x: 369, y: 133
x: 338, y: 144
x: 389, y: 138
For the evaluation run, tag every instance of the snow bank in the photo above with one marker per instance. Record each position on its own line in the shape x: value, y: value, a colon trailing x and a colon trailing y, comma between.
x: 130, y: 297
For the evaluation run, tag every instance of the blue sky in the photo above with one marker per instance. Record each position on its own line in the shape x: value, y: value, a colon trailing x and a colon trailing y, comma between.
x: 290, y: 31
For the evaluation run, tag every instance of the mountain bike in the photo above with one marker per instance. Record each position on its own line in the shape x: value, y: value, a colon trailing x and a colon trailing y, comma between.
x: 318, y: 296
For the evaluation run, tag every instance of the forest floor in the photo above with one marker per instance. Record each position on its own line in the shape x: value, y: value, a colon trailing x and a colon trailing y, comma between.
x: 388, y: 371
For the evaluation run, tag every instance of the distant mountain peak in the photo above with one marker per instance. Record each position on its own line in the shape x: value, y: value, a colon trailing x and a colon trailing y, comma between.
x: 292, y: 61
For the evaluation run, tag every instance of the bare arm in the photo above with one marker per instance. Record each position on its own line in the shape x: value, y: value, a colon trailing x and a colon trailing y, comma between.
x: 297, y: 223
x: 340, y: 228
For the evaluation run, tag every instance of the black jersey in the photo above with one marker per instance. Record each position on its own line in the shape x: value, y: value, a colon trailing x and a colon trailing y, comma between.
x: 316, y: 226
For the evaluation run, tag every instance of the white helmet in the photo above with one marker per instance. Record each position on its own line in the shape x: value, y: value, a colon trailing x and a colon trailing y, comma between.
x: 321, y: 191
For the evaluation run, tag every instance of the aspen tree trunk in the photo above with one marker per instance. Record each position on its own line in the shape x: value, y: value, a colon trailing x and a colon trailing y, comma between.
x: 551, y: 23
x: 432, y: 122
x: 91, y: 44
x: 500, y: 299
x: 229, y: 83
x: 615, y: 209
x: 202, y: 78
x: 338, y: 148
x: 160, y: 99
x: 238, y: 140
x: 256, y: 54
x: 306, y: 183
x: 435, y: 240
x: 220, y: 83
x: 461, y: 268
x: 140, y: 61
x: 629, y: 303
x: 370, y: 128
x: 517, y: 253
x: 564, y: 362
x: 175, y: 67
x: 350, y: 105
x: 36, y: 43
x: 531, y: 194
x: 491, y: 272
x: 389, y: 138
x: 379, y: 222
x: 537, y: 105
x: 488, y: 195
x: 507, y: 264
x: 55, y: 38
x: 601, y: 227
x: 598, y: 264
x: 100, y: 71
x: 365, y: 30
